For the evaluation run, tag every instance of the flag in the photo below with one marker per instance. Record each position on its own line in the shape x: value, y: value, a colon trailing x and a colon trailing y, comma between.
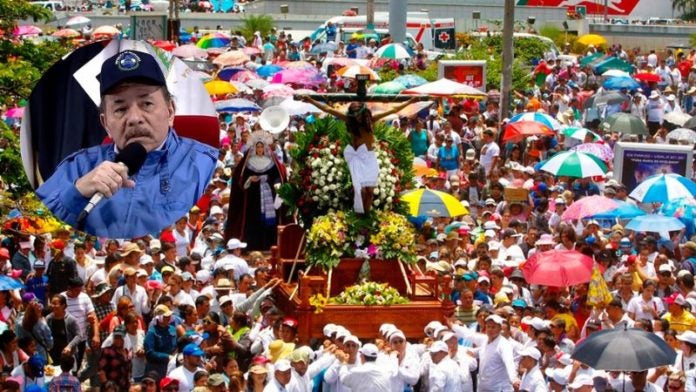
x: 63, y: 107
x: 445, y: 38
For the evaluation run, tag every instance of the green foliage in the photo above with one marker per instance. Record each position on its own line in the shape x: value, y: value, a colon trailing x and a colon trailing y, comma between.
x: 490, y: 50
x: 11, y: 163
x: 256, y: 22
x: 387, y: 73
x: 12, y: 11
x: 692, y: 39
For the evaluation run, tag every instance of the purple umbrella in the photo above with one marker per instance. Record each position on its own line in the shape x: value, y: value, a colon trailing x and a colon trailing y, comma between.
x: 304, y: 77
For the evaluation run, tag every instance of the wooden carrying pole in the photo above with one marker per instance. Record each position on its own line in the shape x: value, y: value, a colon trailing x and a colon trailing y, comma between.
x: 345, y: 97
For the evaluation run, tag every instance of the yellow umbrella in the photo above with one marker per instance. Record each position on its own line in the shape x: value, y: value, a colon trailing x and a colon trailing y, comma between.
x: 219, y: 87
x: 429, y: 202
x: 592, y: 39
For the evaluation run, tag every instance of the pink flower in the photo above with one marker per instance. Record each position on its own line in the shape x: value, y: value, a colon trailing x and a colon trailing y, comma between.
x: 372, y: 250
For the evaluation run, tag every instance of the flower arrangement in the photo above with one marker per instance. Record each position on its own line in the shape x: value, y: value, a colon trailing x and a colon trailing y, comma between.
x: 395, y: 238
x: 327, y: 239
x: 328, y: 171
x: 387, y: 181
x: 369, y: 293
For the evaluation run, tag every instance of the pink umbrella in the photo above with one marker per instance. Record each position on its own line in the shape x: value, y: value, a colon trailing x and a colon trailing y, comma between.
x: 15, y: 113
x: 233, y: 57
x: 601, y: 151
x: 244, y: 76
x: 189, y: 50
x: 22, y: 31
x: 277, y: 90
x: 588, y: 206
x: 251, y: 50
x: 305, y: 77
x: 298, y: 65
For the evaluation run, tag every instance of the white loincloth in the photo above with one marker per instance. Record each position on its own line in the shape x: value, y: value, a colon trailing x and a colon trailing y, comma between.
x: 364, y: 170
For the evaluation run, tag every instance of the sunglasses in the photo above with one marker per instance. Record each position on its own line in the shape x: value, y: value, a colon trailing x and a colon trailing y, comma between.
x: 208, y: 321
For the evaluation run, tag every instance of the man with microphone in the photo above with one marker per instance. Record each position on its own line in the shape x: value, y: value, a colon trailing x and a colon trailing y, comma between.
x: 93, y: 190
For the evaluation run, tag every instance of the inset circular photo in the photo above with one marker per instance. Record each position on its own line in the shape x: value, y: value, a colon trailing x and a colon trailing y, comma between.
x: 119, y: 139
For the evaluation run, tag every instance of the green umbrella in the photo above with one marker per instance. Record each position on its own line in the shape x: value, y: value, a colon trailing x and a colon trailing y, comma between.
x: 626, y: 124
x: 389, y: 88
x: 579, y: 133
x: 588, y: 59
x: 574, y: 164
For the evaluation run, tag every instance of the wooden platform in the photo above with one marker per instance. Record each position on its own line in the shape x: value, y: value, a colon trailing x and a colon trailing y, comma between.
x: 428, y: 294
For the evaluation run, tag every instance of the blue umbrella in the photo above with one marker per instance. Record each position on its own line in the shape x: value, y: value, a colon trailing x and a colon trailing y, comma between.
x: 268, y: 70
x: 663, y: 188
x: 7, y: 283
x: 618, y: 83
x: 236, y: 105
x: 227, y: 73
x: 683, y: 207
x: 325, y: 47
x: 543, y: 118
x: 654, y: 223
x: 411, y: 81
x: 625, y: 210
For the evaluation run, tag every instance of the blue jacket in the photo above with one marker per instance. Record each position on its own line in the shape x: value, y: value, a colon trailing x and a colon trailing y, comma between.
x: 159, y: 344
x: 169, y: 183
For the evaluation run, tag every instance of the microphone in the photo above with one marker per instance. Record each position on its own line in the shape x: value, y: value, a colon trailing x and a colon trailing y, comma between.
x: 133, y: 157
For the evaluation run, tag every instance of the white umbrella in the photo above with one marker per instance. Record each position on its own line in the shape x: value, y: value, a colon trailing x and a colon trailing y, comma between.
x: 257, y: 84
x: 444, y: 88
x: 241, y: 87
x: 298, y: 108
x: 574, y: 164
x: 77, y: 20
x: 616, y: 73
x: 677, y: 118
x: 393, y: 51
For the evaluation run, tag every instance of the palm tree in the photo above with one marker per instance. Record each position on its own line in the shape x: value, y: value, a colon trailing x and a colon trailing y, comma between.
x: 686, y: 7
x: 253, y: 23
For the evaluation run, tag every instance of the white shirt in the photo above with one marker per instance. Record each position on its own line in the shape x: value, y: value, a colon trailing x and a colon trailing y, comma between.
x: 274, y: 386
x: 511, y: 256
x: 138, y: 297
x: 183, y: 298
x: 444, y: 376
x: 466, y: 364
x: 239, y: 265
x: 366, y: 377
x: 406, y: 373
x: 497, y: 369
x: 488, y: 153
x: 332, y: 375
x: 79, y: 307
x: 636, y: 305
x: 533, y: 381
x: 185, y: 378
x: 182, y: 241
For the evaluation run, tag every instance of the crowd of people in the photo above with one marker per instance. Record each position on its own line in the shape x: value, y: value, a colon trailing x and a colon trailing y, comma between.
x: 185, y: 309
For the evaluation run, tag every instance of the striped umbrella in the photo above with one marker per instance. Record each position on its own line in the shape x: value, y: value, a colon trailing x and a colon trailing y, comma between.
x: 236, y: 105
x: 538, y: 117
x: 579, y: 133
x: 353, y: 70
x: 574, y: 164
x: 662, y: 188
x: 66, y: 33
x: 393, y: 51
x: 428, y: 202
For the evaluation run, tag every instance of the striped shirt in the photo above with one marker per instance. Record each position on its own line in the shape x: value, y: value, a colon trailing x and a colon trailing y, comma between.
x: 79, y: 307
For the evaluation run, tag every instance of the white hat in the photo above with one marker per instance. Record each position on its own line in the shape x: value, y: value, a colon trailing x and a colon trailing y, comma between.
x: 224, y: 299
x: 342, y: 333
x: 447, y: 336
x: 665, y: 268
x: 559, y: 200
x: 369, y: 350
x: 437, y: 347
x: 687, y: 336
x: 671, y: 97
x: 531, y: 352
x: 470, y: 154
x: 529, y: 170
x: 146, y: 259
x: 558, y: 375
x: 203, y: 276
x: 142, y: 272
x: 489, y: 233
x: 396, y: 334
x: 282, y: 365
x: 432, y: 325
x: 494, y: 245
x: 483, y: 278
x: 581, y: 380
x: 352, y: 338
x: 654, y: 94
x: 545, y: 239
x: 385, y: 328
x: 495, y: 318
x: 329, y: 329
x: 235, y: 243
x: 538, y: 324
x: 488, y: 201
x: 491, y: 225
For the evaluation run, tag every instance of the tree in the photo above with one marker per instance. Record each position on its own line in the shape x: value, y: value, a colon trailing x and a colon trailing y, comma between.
x: 686, y: 7
x: 13, y: 10
x: 253, y: 23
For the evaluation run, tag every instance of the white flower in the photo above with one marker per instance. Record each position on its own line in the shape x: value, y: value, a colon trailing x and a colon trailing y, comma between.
x: 389, y: 199
x: 325, y: 188
x: 391, y: 193
x: 376, y: 202
x: 330, y: 179
x: 332, y: 187
x: 315, y: 198
x: 376, y: 191
x: 315, y: 174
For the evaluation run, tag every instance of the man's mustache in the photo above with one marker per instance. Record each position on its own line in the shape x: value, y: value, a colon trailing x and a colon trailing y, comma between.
x: 138, y: 133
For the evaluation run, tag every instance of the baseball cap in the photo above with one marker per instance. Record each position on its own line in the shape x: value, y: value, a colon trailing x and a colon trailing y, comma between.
x: 282, y: 365
x: 37, y: 363
x: 130, y: 65
x: 193, y: 350
x: 495, y: 318
x: 167, y: 381
x: 437, y: 347
x: 531, y: 352
x: 369, y: 350
x: 235, y: 243
x: 215, y: 380
x: 39, y: 264
x: 675, y: 298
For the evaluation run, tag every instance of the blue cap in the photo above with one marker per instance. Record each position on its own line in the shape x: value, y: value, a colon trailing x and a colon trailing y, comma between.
x: 130, y: 65
x: 590, y: 240
x: 193, y: 349
x: 37, y: 363
x: 519, y: 303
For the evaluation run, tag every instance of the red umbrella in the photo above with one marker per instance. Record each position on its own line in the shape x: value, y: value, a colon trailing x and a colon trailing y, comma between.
x: 558, y: 268
x: 521, y: 129
x: 349, y: 13
x: 647, y: 77
x: 164, y: 45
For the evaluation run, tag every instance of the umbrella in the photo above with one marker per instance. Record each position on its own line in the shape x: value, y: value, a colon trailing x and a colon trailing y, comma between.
x: 625, y: 210
x: 15, y: 113
x: 609, y: 98
x: 394, y: 51
x: 219, y: 87
x: 236, y: 105
x: 588, y: 206
x: 213, y: 41
x: 661, y: 188
x: 647, y: 77
x: 298, y: 108
x: 189, y: 50
x: 77, y: 20
x: 624, y: 349
x: 227, y: 72
x: 677, y: 118
x: 626, y: 124
x: 353, y: 70
x: 249, y: 50
x: 7, y: 283
x: 164, y: 45
x: 298, y: 65
x: 411, y: 80
x: 105, y: 31
x: 246, y: 76
x: 591, y: 58
x: 233, y: 57
x: 538, y: 117
x: 241, y: 87
x: 257, y: 84
x: 446, y: 88
x: 690, y: 123
x: 574, y: 164
x: 618, y: 83
x: 655, y: 223
x: 682, y: 134
x: 324, y: 47
x: 268, y: 70
x: 592, y: 39
x: 558, y: 268
x: 522, y: 129
x: 304, y: 77
x: 616, y: 73
x: 601, y: 151
x: 66, y: 33
x: 680, y: 208
x: 429, y: 202
x: 388, y: 88
x: 579, y: 133
x: 21, y: 31
x: 272, y: 100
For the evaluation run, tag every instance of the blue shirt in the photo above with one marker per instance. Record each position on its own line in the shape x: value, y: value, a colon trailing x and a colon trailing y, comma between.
x: 449, y: 158
x: 170, y: 181
x: 37, y: 286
